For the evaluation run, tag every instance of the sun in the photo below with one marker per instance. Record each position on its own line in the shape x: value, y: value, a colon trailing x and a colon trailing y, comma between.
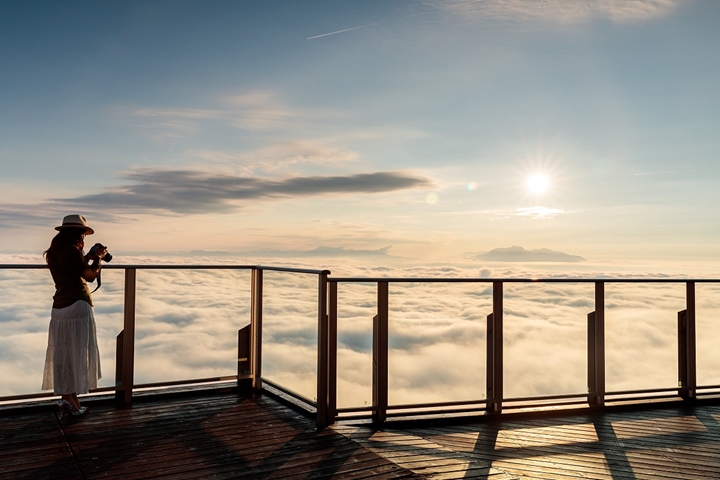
x: 537, y: 183
x: 540, y: 177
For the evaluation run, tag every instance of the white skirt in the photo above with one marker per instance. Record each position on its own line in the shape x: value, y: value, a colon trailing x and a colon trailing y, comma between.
x: 72, y: 361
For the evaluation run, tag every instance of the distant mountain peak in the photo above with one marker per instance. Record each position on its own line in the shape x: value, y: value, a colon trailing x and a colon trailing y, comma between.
x: 517, y: 253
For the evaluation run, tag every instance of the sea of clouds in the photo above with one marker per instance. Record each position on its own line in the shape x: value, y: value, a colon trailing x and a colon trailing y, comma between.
x: 187, y: 323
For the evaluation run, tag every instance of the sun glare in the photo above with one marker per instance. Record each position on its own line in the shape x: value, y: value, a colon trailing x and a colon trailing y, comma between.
x: 538, y: 183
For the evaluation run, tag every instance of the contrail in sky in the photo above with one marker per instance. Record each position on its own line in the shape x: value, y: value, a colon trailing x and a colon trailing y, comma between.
x: 341, y: 31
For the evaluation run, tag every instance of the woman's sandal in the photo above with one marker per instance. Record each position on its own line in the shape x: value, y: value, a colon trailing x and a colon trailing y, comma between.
x: 76, y: 412
x: 64, y: 408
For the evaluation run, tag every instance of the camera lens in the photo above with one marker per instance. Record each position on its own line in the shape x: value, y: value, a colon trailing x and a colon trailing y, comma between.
x: 107, y: 257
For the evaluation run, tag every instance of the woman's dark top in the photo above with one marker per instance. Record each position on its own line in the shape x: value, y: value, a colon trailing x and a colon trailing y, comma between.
x: 67, y: 273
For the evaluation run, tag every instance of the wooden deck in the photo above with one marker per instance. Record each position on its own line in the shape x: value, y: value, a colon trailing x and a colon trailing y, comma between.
x: 231, y: 436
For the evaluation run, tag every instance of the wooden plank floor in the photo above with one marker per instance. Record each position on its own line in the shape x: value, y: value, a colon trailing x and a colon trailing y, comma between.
x: 682, y: 443
x: 219, y: 436
x: 227, y: 436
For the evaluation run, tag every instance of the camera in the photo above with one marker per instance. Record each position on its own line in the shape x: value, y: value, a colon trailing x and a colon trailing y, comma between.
x: 100, y: 246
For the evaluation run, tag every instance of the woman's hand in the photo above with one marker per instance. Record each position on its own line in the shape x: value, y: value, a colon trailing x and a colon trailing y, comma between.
x: 97, y: 253
x: 100, y: 252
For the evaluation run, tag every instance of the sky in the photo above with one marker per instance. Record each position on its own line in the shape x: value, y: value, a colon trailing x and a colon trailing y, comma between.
x: 424, y: 130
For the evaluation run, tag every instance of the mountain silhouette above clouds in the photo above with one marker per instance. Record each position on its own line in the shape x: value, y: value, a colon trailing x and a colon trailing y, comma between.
x: 519, y: 254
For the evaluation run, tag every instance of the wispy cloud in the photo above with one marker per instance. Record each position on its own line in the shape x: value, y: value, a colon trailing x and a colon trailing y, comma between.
x: 341, y: 31
x: 279, y: 155
x: 563, y: 11
x: 322, y: 251
x: 252, y: 111
x: 192, y: 191
x: 539, y: 212
x: 166, y: 123
x: 182, y: 113
x: 262, y: 111
x: 18, y: 216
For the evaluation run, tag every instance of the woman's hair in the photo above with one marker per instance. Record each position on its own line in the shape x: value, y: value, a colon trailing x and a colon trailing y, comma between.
x: 67, y: 237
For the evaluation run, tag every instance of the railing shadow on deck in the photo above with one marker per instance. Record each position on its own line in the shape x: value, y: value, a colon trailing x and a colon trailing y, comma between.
x: 249, y: 374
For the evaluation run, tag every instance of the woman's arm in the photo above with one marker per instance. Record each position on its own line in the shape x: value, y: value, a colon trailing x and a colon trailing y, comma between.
x: 90, y: 271
x: 87, y: 266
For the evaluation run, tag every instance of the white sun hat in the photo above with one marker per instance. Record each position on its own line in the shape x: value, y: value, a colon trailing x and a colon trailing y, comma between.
x: 75, y: 221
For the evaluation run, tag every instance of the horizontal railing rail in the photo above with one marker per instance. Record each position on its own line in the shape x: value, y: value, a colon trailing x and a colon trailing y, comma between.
x: 517, y: 280
x: 113, y: 266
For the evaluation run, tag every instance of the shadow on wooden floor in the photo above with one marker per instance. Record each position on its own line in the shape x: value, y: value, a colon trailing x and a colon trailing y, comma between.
x: 668, y: 443
x: 231, y: 436
x: 222, y: 436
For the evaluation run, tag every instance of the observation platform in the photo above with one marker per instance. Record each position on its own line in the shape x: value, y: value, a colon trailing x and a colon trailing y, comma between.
x: 225, y: 434
x: 258, y: 429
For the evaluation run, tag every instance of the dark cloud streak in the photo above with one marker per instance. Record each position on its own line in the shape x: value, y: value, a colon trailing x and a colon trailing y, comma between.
x: 191, y: 191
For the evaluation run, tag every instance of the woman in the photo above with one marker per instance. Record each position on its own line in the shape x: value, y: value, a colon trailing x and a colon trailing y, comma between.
x: 72, y: 361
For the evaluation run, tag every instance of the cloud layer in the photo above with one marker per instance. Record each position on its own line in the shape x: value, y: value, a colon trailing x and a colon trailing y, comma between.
x: 187, y: 324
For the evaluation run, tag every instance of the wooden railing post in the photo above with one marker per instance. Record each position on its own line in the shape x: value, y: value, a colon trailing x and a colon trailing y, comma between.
x: 494, y: 366
x: 380, y: 355
x: 128, y: 336
x: 256, y: 309
x: 596, y: 348
x: 490, y: 365
x: 687, y: 346
x: 592, y: 370
x: 119, y: 395
x: 332, y: 354
x: 244, y: 372
x: 322, y: 354
x: 691, y: 340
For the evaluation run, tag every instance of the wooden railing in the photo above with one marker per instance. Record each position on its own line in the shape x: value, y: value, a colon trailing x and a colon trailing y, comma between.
x: 249, y: 366
x: 249, y: 375
x: 495, y: 401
